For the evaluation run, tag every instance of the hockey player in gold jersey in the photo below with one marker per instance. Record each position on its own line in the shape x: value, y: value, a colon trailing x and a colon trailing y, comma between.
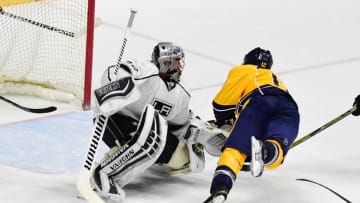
x: 263, y: 117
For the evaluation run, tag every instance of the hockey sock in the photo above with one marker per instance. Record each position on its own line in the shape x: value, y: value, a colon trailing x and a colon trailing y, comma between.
x: 273, y: 154
x: 223, y: 180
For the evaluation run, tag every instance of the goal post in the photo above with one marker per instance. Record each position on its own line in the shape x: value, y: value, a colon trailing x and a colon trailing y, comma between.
x: 89, y: 55
x: 46, y: 49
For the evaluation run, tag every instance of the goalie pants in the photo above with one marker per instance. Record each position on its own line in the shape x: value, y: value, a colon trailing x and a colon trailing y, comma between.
x: 119, y: 127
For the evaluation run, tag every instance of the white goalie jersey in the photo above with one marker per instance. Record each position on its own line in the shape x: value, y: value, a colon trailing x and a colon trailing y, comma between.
x: 128, y: 88
x: 137, y: 91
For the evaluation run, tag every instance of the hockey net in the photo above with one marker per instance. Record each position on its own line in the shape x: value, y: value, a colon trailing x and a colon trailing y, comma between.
x: 46, y: 48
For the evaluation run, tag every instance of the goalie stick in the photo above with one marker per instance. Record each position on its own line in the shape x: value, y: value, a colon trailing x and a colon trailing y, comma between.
x: 83, y: 181
x: 31, y: 110
x: 77, y: 34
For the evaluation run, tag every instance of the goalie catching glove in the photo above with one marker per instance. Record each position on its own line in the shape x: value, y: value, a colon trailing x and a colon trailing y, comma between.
x: 203, y: 132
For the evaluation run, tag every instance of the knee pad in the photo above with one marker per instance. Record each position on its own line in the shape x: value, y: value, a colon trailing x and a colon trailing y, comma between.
x: 139, y: 153
x: 233, y: 159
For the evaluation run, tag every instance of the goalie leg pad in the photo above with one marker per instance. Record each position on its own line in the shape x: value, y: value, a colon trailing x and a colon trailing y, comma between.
x: 196, y: 156
x: 180, y: 157
x: 187, y: 158
x: 139, y: 153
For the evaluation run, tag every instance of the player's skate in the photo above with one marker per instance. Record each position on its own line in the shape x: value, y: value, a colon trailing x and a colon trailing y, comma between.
x: 257, y: 163
x: 218, y: 197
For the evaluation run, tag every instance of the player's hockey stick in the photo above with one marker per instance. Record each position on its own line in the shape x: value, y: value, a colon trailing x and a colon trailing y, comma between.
x: 49, y: 27
x: 31, y: 110
x: 337, y: 194
x: 323, y: 127
x: 83, y: 181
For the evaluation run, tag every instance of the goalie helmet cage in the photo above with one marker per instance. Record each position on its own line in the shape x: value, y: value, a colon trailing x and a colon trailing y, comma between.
x: 46, y: 49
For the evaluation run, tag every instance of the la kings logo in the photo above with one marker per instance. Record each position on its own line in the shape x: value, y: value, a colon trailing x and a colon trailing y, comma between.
x: 163, y: 108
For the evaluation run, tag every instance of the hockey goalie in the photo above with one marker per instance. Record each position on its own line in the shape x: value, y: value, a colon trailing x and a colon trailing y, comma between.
x: 150, y: 123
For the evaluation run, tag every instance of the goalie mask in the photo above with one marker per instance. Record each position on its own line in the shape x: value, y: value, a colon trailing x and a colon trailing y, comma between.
x: 169, y: 59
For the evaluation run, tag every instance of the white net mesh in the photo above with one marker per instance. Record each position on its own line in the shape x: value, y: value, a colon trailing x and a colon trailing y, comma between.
x: 42, y: 44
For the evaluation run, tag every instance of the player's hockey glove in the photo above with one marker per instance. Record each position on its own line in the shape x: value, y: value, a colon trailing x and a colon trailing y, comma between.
x: 357, y: 106
x: 226, y: 126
